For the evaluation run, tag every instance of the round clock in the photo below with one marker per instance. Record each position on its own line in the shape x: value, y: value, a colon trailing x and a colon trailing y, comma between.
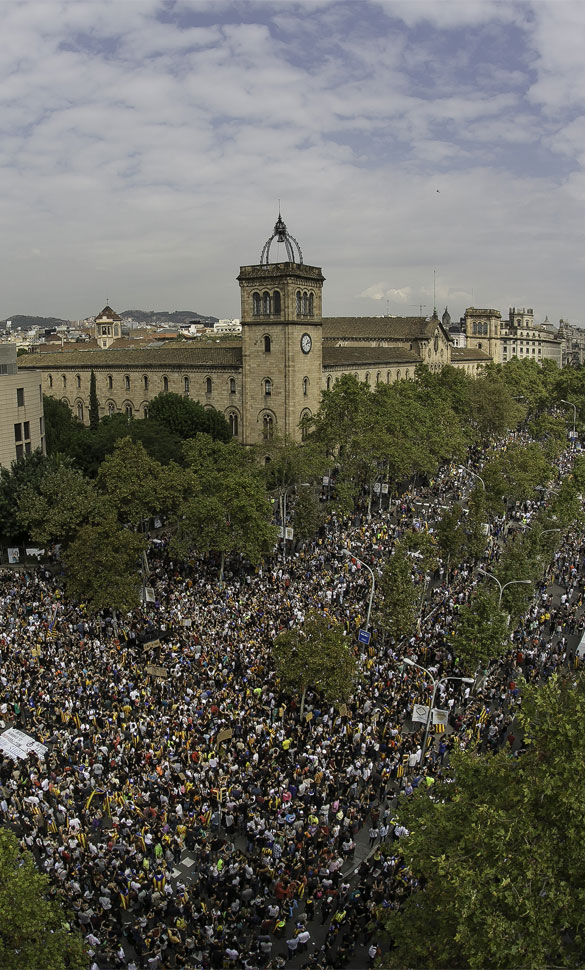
x: 306, y: 343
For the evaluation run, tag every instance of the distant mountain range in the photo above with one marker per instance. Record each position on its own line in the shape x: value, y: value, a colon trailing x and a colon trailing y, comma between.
x: 153, y: 318
x: 176, y: 317
x: 24, y: 322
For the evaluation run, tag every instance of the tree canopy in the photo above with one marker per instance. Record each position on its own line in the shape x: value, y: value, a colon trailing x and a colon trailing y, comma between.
x: 315, y: 655
x: 34, y: 929
x: 498, y: 851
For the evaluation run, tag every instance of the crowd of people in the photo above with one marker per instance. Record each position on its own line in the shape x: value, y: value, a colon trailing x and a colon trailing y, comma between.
x: 168, y: 739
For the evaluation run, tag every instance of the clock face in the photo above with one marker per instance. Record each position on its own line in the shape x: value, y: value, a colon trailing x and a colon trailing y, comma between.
x: 306, y: 343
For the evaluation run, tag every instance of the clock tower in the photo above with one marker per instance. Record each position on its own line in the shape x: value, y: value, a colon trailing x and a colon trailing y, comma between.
x: 281, y: 320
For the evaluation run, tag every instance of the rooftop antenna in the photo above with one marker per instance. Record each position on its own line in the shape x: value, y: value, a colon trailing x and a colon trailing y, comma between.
x: 434, y: 293
x: 420, y: 307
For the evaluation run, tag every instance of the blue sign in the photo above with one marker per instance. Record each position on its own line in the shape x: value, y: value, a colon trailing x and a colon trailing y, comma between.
x: 364, y: 636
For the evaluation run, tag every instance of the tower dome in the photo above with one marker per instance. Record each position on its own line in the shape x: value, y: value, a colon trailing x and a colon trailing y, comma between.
x: 282, y: 235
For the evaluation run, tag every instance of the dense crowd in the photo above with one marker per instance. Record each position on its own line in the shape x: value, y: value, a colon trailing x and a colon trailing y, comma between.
x: 168, y: 739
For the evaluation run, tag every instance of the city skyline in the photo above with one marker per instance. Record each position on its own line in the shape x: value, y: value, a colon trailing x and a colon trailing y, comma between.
x: 147, y: 146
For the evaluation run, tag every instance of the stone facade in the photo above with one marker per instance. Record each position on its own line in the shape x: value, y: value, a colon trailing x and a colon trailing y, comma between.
x: 22, y: 424
x: 272, y: 379
x: 518, y: 336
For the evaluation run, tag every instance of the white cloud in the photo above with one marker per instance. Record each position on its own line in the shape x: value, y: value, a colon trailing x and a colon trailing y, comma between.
x: 145, y: 146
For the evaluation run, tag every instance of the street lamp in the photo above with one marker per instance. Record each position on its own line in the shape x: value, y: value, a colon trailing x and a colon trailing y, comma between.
x: 465, y: 680
x: 348, y: 552
x: 512, y: 582
x: 574, y: 406
x: 283, y: 496
x: 463, y: 468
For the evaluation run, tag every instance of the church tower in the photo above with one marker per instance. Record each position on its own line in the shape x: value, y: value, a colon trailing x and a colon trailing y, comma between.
x: 281, y: 320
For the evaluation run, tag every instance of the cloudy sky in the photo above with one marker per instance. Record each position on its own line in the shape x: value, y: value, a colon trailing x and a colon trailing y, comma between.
x: 145, y: 146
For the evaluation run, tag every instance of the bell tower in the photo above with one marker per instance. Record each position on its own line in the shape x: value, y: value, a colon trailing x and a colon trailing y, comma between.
x: 281, y: 320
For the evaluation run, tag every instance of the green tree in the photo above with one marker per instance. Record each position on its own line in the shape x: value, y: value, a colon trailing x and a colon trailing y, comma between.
x: 34, y: 929
x: 308, y: 514
x: 26, y: 472
x: 103, y: 566
x: 397, y: 598
x: 315, y: 655
x: 187, y: 418
x: 137, y: 486
x: 451, y: 538
x: 57, y: 504
x: 61, y: 428
x: 94, y: 408
x: 498, y: 851
x: 226, y: 510
x: 513, y: 474
x: 481, y: 630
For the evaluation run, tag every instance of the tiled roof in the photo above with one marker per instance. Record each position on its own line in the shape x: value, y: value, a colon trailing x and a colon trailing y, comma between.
x: 377, y: 328
x: 354, y: 356
x: 468, y: 353
x: 179, y: 356
x: 108, y: 314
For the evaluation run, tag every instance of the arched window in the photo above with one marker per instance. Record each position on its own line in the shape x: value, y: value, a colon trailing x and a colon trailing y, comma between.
x: 367, y: 377
x: 145, y: 409
x: 305, y: 302
x: 378, y: 377
x: 406, y: 374
x: 256, y: 304
x: 298, y: 301
x: 233, y: 422
x: 304, y: 423
x: 165, y: 385
x: 78, y: 381
x: 145, y: 380
x: 276, y: 305
x: 267, y: 387
x: 64, y: 379
x: 126, y: 382
x: 80, y: 411
x: 208, y: 385
x: 305, y: 386
x: 311, y: 304
x: 110, y: 382
x: 50, y: 380
x: 267, y: 426
x: 398, y: 374
x: 328, y: 383
x: 388, y: 376
x: 232, y: 385
x: 266, y: 302
x: 187, y: 385
x: 129, y: 410
x: 267, y: 344
x: 111, y: 408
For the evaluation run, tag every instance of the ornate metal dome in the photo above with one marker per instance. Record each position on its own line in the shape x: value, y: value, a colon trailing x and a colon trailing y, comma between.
x: 282, y: 235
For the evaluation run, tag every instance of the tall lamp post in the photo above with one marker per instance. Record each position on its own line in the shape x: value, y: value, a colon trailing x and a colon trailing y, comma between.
x: 464, y: 468
x: 512, y: 582
x: 574, y: 406
x: 348, y: 552
x: 465, y: 680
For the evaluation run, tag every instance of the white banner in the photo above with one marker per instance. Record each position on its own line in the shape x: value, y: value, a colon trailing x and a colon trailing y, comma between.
x: 440, y: 717
x: 18, y: 745
x: 420, y: 712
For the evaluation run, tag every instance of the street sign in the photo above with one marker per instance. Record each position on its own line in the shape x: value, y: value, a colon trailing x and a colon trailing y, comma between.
x: 420, y: 712
x: 384, y: 488
x: 289, y: 532
x: 377, y: 488
x: 364, y: 636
